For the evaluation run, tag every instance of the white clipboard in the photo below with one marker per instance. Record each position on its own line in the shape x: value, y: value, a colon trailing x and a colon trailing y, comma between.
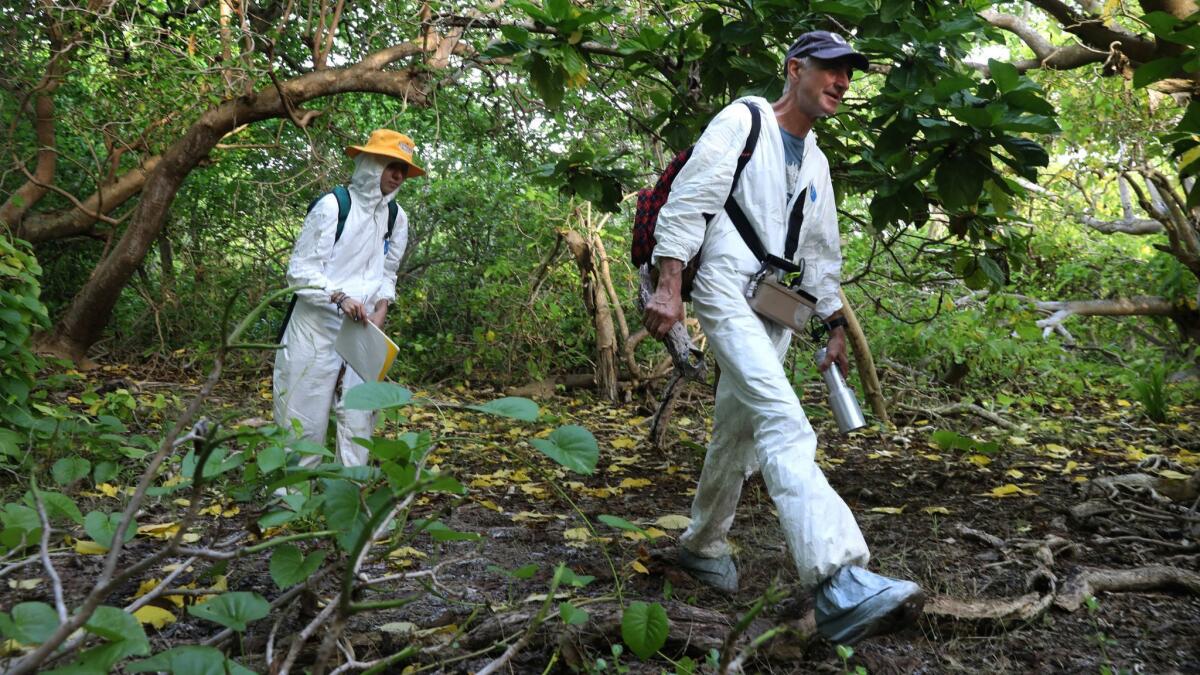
x: 365, y: 348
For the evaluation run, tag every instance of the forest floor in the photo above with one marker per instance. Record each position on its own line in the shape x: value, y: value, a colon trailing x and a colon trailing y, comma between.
x: 1001, y: 531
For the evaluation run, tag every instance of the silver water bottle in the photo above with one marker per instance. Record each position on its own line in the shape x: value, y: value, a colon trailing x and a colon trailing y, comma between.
x: 841, y: 398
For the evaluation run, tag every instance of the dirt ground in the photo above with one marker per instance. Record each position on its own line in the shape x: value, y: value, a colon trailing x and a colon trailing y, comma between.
x: 976, y: 528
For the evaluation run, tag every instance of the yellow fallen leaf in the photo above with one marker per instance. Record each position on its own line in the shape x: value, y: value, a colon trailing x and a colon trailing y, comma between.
x: 932, y: 457
x: 936, y: 509
x: 577, y: 534
x: 531, y: 516
x: 1014, y: 473
x: 635, y: 483
x: 624, y: 443
x: 1173, y: 475
x: 600, y: 492
x: 1057, y: 451
x: 1071, y: 466
x: 159, y: 530
x: 24, y: 584
x: 87, y: 547
x: 639, y: 567
x: 108, y: 489
x: 154, y: 616
x: 1123, y: 403
x: 182, y: 502
x: 673, y: 522
x: 173, y: 480
x: 1017, y: 441
x: 627, y: 461
x: 648, y: 533
x: 489, y: 504
x: 979, y: 460
x: 407, y: 552
x: 534, y: 491
x: 10, y: 647
x: 893, y: 510
x: 1008, y: 490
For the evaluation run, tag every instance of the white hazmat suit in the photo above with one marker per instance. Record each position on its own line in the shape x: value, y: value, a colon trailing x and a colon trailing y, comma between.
x: 361, y: 265
x: 758, y: 423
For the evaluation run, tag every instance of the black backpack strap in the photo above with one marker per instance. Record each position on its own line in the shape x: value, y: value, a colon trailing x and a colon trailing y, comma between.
x: 393, y: 211
x: 795, y: 221
x: 737, y: 215
x: 343, y: 199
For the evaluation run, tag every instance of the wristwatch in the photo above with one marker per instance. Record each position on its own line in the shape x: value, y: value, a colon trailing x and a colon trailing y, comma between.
x: 836, y: 322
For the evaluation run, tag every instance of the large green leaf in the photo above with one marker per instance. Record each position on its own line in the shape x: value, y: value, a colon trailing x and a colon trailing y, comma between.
x: 289, y: 565
x: 571, y: 446
x: 959, y: 181
x: 510, y: 406
x: 70, y: 469
x: 102, y: 527
x: 232, y: 610
x: 344, y: 511
x: 61, y: 506
x: 377, y: 396
x: 190, y: 660
x: 644, y: 628
x: 31, y: 623
x: 572, y: 615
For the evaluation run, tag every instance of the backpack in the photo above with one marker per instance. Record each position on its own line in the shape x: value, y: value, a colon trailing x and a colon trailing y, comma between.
x: 651, y: 200
x: 342, y: 195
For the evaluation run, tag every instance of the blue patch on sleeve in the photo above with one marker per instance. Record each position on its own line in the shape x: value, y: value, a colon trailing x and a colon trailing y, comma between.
x: 812, y: 195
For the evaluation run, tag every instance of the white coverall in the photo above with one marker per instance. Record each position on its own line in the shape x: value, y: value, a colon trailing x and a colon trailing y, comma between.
x: 758, y: 421
x: 306, y: 366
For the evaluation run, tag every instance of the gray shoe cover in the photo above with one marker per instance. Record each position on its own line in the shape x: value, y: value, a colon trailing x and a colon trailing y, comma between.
x: 719, y: 573
x: 855, y: 604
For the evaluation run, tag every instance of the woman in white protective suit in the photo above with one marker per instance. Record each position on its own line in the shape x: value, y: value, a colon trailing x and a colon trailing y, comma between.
x: 354, y: 275
x: 758, y: 422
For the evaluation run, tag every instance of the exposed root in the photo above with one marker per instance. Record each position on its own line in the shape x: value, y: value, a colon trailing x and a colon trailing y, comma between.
x: 1087, y: 582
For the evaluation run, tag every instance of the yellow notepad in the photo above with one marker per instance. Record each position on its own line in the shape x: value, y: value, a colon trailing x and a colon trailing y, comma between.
x: 366, y: 348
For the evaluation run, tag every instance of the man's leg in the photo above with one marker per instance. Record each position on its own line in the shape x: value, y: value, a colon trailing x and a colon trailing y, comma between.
x: 726, y: 465
x: 302, y: 382
x: 820, y: 530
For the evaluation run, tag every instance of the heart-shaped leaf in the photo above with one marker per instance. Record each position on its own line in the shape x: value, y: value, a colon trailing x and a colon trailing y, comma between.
x: 571, y: 446
x: 644, y: 628
x: 233, y: 610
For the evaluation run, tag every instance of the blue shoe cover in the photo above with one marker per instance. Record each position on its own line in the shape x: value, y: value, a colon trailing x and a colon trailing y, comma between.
x: 855, y: 604
x: 719, y: 573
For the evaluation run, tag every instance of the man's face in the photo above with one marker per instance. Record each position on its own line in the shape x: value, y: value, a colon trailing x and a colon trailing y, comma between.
x: 819, y: 88
x: 393, y: 176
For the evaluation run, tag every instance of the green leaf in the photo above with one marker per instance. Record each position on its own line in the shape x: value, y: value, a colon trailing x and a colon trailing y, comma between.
x: 1005, y: 75
x: 190, y: 660
x: 440, y: 532
x: 344, y: 511
x: 271, y: 458
x: 232, y: 610
x: 1029, y: 332
x: 113, y: 623
x: 571, y: 446
x: 959, y: 181
x: 572, y: 615
x: 105, y: 471
x: 70, y: 469
x: 568, y: 576
x: 377, y: 396
x: 61, y: 505
x: 102, y: 527
x: 619, y: 523
x: 289, y: 565
x: 1153, y: 71
x: 644, y: 628
x: 510, y: 406
x: 522, y: 572
x: 32, y: 623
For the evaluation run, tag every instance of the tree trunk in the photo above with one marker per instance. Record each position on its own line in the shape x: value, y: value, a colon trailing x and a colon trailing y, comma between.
x: 867, y: 374
x: 82, y: 323
x: 23, y: 199
x: 595, y: 300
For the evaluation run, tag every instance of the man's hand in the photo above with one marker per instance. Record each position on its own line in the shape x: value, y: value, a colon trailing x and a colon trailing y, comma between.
x: 836, y: 352
x: 665, y: 308
x: 379, y: 314
x: 353, y: 309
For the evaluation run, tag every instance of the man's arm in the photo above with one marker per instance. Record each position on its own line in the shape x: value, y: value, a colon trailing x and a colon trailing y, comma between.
x: 665, y: 308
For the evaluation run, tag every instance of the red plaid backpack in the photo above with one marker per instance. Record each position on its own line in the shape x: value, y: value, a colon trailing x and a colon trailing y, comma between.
x: 651, y: 200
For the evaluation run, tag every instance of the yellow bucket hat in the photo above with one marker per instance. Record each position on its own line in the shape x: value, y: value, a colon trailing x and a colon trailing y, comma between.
x: 390, y: 143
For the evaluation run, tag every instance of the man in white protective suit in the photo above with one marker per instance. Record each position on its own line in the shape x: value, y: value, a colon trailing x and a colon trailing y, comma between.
x: 349, y: 250
x: 758, y: 422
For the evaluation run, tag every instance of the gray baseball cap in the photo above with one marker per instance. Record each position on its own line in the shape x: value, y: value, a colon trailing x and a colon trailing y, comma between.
x: 828, y: 46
